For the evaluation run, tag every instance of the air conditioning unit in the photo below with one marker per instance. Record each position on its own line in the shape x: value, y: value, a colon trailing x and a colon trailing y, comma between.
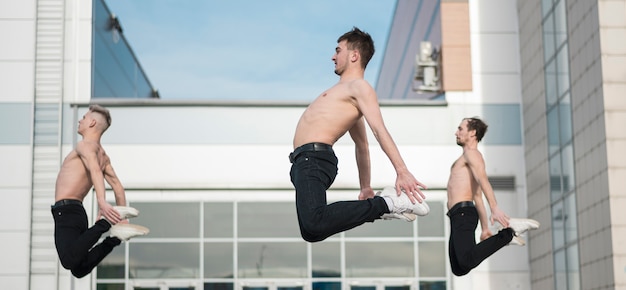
x: 427, y: 68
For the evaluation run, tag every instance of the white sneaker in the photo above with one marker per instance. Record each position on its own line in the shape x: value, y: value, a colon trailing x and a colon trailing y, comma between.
x: 520, y: 226
x: 127, y: 211
x: 517, y: 241
x: 402, y: 204
x: 409, y: 217
x: 126, y: 231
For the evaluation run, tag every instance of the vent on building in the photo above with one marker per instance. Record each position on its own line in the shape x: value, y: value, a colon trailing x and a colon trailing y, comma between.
x: 502, y: 182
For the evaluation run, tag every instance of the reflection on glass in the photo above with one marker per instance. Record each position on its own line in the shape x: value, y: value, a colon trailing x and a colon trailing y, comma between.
x: 560, y: 23
x: 562, y: 61
x: 357, y: 287
x: 558, y: 224
x: 546, y: 6
x: 565, y: 120
x: 432, y: 285
x: 218, y: 220
x: 571, y: 229
x: 550, y: 78
x: 272, y: 260
x: 567, y: 159
x: 555, y: 177
x: 164, y: 260
x: 112, y: 266
x: 432, y: 257
x: 382, y: 228
x: 553, y: 130
x: 112, y: 286
x: 218, y: 286
x: 326, y: 259
x: 289, y: 288
x: 278, y: 220
x: 326, y: 286
x: 548, y: 38
x: 169, y: 220
x: 573, y: 275
x: 432, y: 225
x: 218, y: 260
x: 560, y: 277
x: 403, y: 287
x: 363, y: 259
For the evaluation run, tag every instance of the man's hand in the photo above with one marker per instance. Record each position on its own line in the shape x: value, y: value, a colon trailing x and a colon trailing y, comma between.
x: 109, y: 213
x: 499, y: 216
x: 366, y: 193
x: 407, y: 183
x: 485, y: 234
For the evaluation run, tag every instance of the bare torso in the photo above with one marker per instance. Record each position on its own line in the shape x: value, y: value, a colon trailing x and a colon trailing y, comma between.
x: 461, y: 184
x: 74, y: 180
x: 328, y: 117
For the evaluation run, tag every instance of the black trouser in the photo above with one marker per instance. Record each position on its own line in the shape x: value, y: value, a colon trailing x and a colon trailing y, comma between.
x: 312, y: 173
x: 464, y: 253
x: 74, y: 241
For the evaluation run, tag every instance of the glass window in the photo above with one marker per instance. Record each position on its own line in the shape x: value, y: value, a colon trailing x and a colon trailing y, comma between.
x: 558, y: 225
x: 165, y: 219
x: 573, y: 275
x: 433, y: 285
x: 555, y: 177
x: 112, y: 286
x: 218, y: 220
x: 326, y: 259
x: 218, y: 286
x: 548, y: 38
x: 562, y: 62
x: 553, y: 131
x: 363, y: 259
x: 326, y: 285
x: 382, y: 228
x: 272, y: 260
x: 432, y: 225
x: 164, y: 260
x: 571, y: 229
x: 432, y: 259
x: 550, y: 76
x: 218, y: 260
x: 546, y: 6
x: 567, y: 159
x: 560, y: 278
x: 560, y: 23
x: 112, y: 267
x: 565, y: 120
x: 279, y: 220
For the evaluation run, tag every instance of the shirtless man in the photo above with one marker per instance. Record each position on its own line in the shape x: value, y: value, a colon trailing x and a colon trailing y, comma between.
x: 85, y: 167
x: 468, y: 181
x: 344, y: 108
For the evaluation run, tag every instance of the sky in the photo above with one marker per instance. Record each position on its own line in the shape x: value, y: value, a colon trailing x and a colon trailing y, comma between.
x: 247, y: 49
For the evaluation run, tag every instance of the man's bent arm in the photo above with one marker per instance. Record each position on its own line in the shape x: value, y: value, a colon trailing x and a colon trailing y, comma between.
x: 477, y: 166
x: 361, y: 150
x: 368, y: 105
x: 116, y: 185
x: 87, y: 153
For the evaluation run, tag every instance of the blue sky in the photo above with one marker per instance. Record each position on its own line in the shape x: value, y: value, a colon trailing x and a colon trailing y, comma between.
x: 247, y: 49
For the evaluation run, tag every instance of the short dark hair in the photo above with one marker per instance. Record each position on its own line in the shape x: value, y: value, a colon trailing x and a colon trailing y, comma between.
x: 357, y: 39
x: 102, y: 111
x: 477, y: 124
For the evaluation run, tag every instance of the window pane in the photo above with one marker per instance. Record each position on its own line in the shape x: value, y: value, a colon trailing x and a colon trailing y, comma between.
x: 432, y: 225
x: 365, y: 259
x: 218, y: 286
x: 562, y: 62
x: 565, y: 120
x: 573, y: 272
x: 165, y: 219
x: 110, y: 287
x: 272, y: 260
x: 113, y: 265
x: 548, y: 38
x: 430, y: 285
x: 279, y: 219
x: 553, y: 131
x: 559, y: 271
x: 326, y: 259
x: 432, y: 259
x: 218, y: 220
x: 550, y: 75
x: 560, y: 23
x: 404, y: 287
x: 164, y: 260
x: 558, y: 225
x: 571, y: 231
x: 555, y: 177
x: 546, y: 6
x: 326, y: 285
x: 567, y: 159
x: 218, y: 260
x: 382, y: 228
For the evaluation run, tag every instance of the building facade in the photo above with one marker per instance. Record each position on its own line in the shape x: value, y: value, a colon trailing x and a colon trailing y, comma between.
x: 211, y: 179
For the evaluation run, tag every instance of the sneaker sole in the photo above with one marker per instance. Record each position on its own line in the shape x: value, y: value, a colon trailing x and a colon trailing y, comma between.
x: 128, y: 229
x: 127, y: 211
x: 533, y: 225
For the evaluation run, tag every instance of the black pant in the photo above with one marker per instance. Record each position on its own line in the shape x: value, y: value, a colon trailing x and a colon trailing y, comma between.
x: 464, y: 253
x: 74, y: 241
x: 312, y: 173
